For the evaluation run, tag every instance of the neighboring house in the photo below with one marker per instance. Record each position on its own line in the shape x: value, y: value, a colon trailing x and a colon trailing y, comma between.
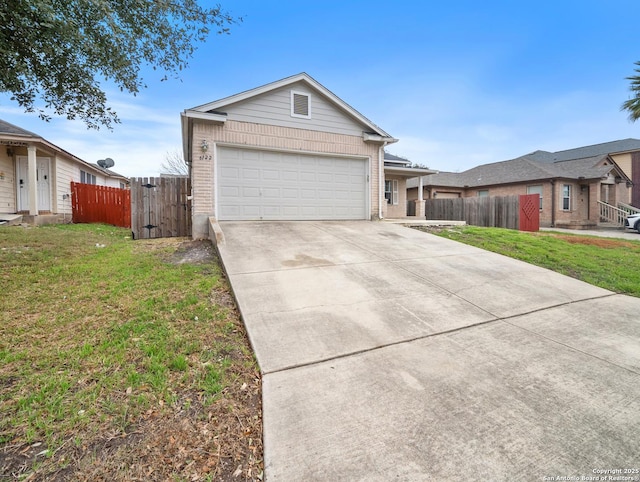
x: 571, y: 190
x: 288, y: 150
x: 36, y: 176
x: 625, y: 153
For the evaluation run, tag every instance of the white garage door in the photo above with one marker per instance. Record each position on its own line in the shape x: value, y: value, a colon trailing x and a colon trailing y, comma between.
x: 254, y: 185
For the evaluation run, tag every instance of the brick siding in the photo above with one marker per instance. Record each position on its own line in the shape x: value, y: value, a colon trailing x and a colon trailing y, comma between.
x: 245, y: 134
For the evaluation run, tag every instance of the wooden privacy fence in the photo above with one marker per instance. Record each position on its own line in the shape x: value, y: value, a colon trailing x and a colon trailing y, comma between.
x: 100, y: 204
x: 160, y: 207
x: 511, y: 212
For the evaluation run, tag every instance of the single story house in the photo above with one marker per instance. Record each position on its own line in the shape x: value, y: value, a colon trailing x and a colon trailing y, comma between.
x: 36, y: 176
x: 625, y: 153
x: 572, y: 191
x: 288, y: 150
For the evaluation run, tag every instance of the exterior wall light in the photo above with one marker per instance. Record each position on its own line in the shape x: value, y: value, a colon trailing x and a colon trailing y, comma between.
x: 204, y: 146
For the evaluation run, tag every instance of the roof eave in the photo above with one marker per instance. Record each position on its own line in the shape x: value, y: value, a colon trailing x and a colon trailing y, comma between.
x: 408, y: 172
x: 208, y: 116
x: 371, y: 137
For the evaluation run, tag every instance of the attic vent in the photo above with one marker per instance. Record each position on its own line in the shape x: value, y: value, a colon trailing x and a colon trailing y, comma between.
x: 300, y: 105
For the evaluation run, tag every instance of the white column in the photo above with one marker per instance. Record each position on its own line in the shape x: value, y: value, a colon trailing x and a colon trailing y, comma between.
x: 420, y: 188
x: 33, y: 180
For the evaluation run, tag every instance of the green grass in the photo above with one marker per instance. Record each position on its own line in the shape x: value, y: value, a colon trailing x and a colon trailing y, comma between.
x: 613, y: 264
x: 92, y: 337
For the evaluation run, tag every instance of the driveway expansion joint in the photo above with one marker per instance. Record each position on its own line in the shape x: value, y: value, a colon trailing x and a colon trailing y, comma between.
x: 447, y: 332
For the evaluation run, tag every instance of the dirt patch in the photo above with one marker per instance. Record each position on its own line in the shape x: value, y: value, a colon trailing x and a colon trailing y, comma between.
x: 218, y: 442
x: 194, y: 252
x: 607, y: 243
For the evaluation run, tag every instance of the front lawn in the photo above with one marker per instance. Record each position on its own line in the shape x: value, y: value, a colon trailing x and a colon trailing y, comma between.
x: 122, y: 360
x: 609, y: 263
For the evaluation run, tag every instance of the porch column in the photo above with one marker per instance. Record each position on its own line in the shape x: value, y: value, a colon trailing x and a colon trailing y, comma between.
x: 32, y: 177
x: 420, y: 211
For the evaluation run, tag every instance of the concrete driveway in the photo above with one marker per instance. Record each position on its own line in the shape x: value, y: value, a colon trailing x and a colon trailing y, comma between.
x: 391, y: 354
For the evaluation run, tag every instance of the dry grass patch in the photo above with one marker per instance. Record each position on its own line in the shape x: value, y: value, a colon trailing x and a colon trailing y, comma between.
x: 122, y: 360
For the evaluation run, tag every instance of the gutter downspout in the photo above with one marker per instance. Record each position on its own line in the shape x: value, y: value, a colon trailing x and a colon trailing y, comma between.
x: 553, y: 203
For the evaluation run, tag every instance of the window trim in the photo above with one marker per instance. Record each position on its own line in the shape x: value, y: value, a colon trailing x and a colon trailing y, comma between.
x: 87, y: 178
x: 566, y: 197
x: 391, y: 187
x: 304, y: 94
x: 538, y: 187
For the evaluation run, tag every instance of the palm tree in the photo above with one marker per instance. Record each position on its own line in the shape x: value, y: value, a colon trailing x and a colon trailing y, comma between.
x: 633, y: 105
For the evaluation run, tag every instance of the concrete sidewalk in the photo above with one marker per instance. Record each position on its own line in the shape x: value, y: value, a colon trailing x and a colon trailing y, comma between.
x: 620, y: 233
x: 389, y: 353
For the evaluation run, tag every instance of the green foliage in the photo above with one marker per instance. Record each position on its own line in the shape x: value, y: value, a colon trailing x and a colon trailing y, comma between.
x: 57, y: 51
x: 91, y: 338
x: 633, y: 105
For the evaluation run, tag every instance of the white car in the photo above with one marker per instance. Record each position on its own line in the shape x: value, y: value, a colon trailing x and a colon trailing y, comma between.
x: 633, y: 222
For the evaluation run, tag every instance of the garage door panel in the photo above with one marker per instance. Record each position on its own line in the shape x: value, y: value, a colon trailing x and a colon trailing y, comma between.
x: 249, y: 211
x: 230, y: 191
x: 271, y: 175
x: 289, y: 175
x: 230, y: 172
x: 308, y: 194
x: 247, y: 155
x: 308, y: 176
x: 271, y: 193
x: 255, y: 185
x: 291, y: 211
x: 326, y: 162
x: 290, y: 193
x: 249, y: 173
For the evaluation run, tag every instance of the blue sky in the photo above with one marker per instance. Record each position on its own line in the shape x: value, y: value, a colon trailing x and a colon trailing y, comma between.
x: 460, y: 83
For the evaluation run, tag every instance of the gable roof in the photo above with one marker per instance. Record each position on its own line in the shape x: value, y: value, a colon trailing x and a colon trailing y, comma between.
x: 393, y: 159
x: 108, y: 172
x: 8, y: 128
x: 524, y: 169
x: 10, y: 132
x: 212, y: 109
x: 613, y: 147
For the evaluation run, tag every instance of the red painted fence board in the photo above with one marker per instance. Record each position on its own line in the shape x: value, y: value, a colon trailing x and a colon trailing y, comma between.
x: 101, y: 204
x: 529, y: 218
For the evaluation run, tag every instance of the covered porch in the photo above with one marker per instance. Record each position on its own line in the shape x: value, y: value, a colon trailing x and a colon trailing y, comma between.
x: 396, y: 205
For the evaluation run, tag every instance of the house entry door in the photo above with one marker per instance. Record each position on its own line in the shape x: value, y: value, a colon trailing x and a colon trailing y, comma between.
x: 23, y: 184
x: 44, y: 184
x: 43, y: 179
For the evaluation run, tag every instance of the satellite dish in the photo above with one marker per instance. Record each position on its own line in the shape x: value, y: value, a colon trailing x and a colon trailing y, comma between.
x: 106, y: 163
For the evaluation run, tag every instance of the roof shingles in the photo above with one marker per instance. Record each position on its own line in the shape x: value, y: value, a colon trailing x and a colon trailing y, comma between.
x: 581, y: 163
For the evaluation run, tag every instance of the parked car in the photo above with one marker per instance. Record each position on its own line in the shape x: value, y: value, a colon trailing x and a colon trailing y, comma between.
x: 633, y: 222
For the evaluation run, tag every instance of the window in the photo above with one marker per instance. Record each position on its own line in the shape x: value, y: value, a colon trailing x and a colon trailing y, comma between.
x: 566, y: 197
x: 483, y: 192
x: 536, y: 190
x: 87, y: 178
x: 300, y: 105
x: 391, y: 191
